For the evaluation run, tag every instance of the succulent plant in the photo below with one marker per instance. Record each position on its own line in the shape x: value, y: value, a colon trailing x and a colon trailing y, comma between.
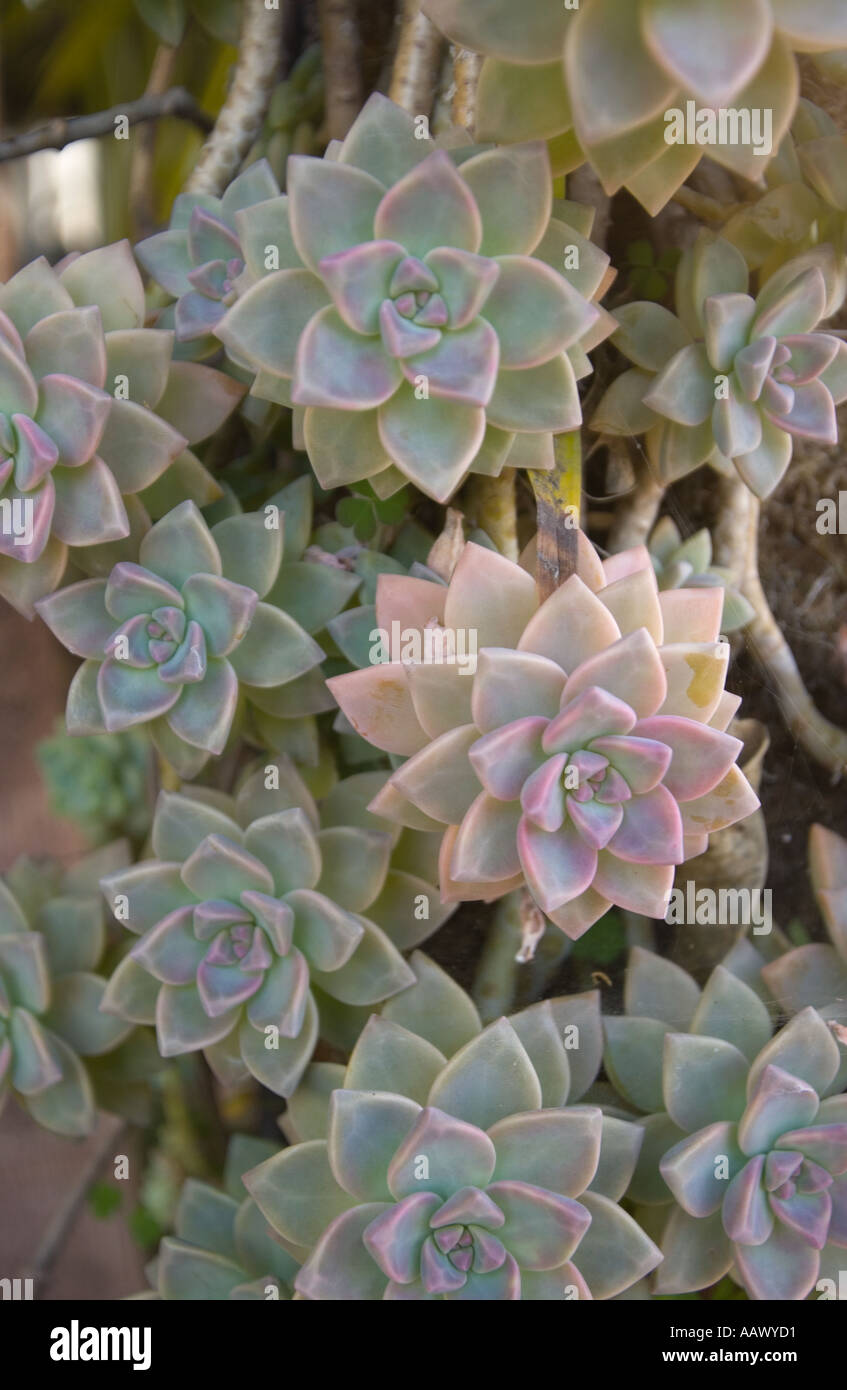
x: 583, y: 752
x: 472, y: 1178
x: 100, y: 782
x: 222, y: 1247
x: 95, y: 418
x: 58, y: 1054
x: 745, y: 1132
x: 733, y: 379
x: 173, y: 640
x: 596, y: 79
x: 419, y: 316
x: 687, y: 564
x: 198, y: 260
x: 238, y: 915
x: 816, y: 973
x: 805, y: 203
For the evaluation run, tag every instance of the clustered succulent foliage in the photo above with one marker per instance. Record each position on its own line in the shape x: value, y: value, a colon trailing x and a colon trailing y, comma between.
x: 330, y: 720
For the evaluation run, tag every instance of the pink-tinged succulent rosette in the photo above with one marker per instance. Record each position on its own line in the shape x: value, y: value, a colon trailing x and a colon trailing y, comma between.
x: 423, y: 315
x: 95, y: 419
x: 587, y: 754
x: 597, y: 77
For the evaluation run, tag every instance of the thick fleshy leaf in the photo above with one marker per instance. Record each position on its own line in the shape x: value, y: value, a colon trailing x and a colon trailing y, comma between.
x: 697, y: 1253
x: 279, y: 1063
x: 784, y: 1267
x: 553, y: 1149
x: 387, y: 1057
x: 432, y: 440
x: 297, y: 1192
x: 614, y: 1252
x: 698, y: 1168
x: 489, y: 1078
x: 275, y: 649
x: 365, y: 1131
x: 719, y: 1091
x: 375, y: 970
x: 633, y: 1059
x: 459, y: 1154
x: 778, y: 1102
x: 340, y: 1266
x: 377, y: 702
x: 542, y: 1229
x: 332, y: 207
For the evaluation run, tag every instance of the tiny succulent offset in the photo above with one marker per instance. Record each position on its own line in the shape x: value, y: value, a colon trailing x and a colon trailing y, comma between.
x: 423, y: 324
x: 198, y: 259
x: 398, y: 745
x: 584, y: 756
x: 731, y: 380
x: 596, y: 79
x: 687, y: 564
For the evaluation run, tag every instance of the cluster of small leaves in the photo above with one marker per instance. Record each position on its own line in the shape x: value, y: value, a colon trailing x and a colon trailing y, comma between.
x: 100, y: 782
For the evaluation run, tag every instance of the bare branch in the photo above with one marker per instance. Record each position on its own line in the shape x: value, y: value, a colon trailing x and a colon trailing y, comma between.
x: 64, y: 130
x: 417, y: 62
x: 341, y: 45
x: 558, y: 501
x: 466, y: 69
x: 240, y: 118
x: 823, y: 740
x: 636, y: 513
x: 141, y: 200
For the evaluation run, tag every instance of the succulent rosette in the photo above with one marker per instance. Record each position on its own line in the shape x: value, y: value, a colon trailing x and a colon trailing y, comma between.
x: 198, y: 259
x: 584, y: 757
x: 816, y: 974
x: 732, y: 380
x: 596, y: 78
x: 59, y: 1056
x: 687, y: 564
x: 473, y: 1178
x: 174, y: 640
x: 222, y: 1247
x: 238, y: 916
x: 805, y: 202
x: 747, y: 1132
x: 421, y: 319
x: 95, y: 418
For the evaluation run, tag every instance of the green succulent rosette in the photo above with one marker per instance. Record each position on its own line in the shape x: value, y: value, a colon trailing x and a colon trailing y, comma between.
x: 595, y: 78
x: 198, y: 259
x: 247, y: 914
x: 687, y: 564
x: 731, y: 380
x: 447, y: 1161
x: 185, y: 637
x: 222, y: 1247
x: 422, y: 319
x: 95, y: 420
x: 60, y: 1057
x: 745, y: 1128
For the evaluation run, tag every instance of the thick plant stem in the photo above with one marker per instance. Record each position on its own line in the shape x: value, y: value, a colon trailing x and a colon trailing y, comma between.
x: 558, y: 496
x: 341, y: 63
x: 240, y: 118
x: 466, y: 68
x: 636, y: 513
x: 496, y: 974
x: 826, y: 743
x: 141, y: 165
x: 492, y: 504
x: 417, y: 62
